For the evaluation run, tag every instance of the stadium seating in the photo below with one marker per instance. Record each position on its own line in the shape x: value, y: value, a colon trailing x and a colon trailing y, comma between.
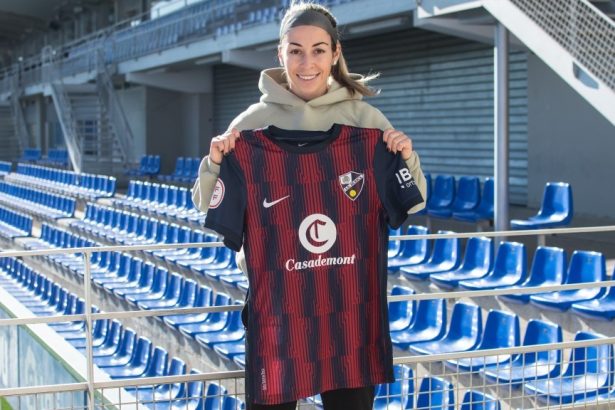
x: 442, y: 195
x: 548, y: 268
x: 598, y: 308
x: 484, y: 210
x: 55, y: 157
x: 474, y: 400
x: 466, y: 198
x: 37, y: 202
x: 30, y: 155
x: 464, y: 332
x: 445, y: 256
x: 585, y: 266
x: 429, y: 323
x: 556, y: 209
x: 14, y: 224
x: 68, y: 183
x: 501, y: 331
x: 5, y: 168
x: 531, y: 366
x: 412, y: 252
x: 435, y: 394
x: 589, y: 373
x: 149, y: 166
x: 477, y: 262
x: 400, y: 313
x: 397, y: 395
x: 509, y: 269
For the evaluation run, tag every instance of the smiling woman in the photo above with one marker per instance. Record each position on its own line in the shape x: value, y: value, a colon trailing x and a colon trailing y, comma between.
x: 308, y: 304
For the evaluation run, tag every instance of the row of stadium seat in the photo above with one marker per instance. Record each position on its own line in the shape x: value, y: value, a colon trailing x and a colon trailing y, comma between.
x: 160, y: 200
x: 149, y: 166
x: 186, y: 171
x: 14, y: 224
x: 479, y: 270
x: 55, y: 157
x: 86, y: 186
x: 423, y: 330
x: 118, y: 351
x: 433, y: 393
x: 462, y: 200
x: 5, y: 168
x: 36, y: 202
x: 30, y: 155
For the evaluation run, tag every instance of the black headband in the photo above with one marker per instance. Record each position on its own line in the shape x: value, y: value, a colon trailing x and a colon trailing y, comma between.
x: 310, y: 18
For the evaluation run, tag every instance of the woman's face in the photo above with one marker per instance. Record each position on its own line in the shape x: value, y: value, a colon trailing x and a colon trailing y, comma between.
x: 307, y: 56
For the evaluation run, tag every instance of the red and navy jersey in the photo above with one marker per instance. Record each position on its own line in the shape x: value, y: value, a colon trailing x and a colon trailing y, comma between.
x: 311, y: 210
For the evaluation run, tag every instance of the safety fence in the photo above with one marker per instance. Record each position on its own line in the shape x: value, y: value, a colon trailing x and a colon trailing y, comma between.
x: 542, y: 371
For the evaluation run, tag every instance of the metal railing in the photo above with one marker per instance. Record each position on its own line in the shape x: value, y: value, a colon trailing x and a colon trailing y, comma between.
x: 64, y: 110
x: 580, y: 28
x: 450, y: 366
x: 113, y: 111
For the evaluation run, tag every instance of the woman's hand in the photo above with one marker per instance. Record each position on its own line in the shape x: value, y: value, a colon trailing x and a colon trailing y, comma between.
x: 397, y: 141
x: 222, y: 145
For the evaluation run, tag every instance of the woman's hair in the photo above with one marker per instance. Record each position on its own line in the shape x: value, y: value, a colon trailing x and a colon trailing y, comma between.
x: 340, y: 70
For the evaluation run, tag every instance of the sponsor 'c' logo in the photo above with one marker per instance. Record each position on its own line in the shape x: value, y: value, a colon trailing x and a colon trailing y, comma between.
x: 317, y: 233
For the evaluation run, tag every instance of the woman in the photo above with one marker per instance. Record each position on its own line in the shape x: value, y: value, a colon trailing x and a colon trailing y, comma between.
x: 312, y: 91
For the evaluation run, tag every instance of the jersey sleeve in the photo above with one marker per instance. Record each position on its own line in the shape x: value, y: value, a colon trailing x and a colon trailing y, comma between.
x: 227, y: 207
x: 397, y: 189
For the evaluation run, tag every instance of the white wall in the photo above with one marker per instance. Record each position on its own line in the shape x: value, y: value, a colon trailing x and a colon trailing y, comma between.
x: 568, y: 140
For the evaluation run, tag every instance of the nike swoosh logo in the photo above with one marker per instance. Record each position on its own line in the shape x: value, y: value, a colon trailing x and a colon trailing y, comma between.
x: 272, y: 203
x: 302, y: 144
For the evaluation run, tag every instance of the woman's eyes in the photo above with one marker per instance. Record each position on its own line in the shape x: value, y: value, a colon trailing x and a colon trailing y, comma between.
x: 297, y: 51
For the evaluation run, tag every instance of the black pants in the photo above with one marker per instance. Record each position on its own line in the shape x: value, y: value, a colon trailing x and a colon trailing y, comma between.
x: 361, y: 398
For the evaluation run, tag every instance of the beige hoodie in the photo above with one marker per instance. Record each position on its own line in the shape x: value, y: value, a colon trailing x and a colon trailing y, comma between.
x: 283, y: 109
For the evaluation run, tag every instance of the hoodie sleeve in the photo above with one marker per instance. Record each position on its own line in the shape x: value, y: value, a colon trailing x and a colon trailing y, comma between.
x: 371, y: 117
x: 208, y: 171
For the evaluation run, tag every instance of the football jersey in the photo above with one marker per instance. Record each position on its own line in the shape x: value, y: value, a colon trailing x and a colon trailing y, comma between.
x: 311, y: 210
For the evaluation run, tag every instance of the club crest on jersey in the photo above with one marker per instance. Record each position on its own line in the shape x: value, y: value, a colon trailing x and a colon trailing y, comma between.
x: 352, y: 184
x: 218, y: 195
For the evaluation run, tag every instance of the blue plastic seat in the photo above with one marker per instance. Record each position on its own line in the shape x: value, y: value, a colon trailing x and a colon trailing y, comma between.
x: 467, y: 197
x: 474, y: 400
x: 204, y: 298
x: 121, y: 356
x: 400, y: 313
x: 429, y: 323
x: 556, y: 209
x: 533, y: 365
x: 465, y: 329
x: 477, y: 262
x: 445, y: 256
x: 394, y: 245
x: 396, y: 395
x: 442, y: 196
x: 484, y: 210
x: 156, y: 291
x: 233, y: 331
x: 585, y: 266
x: 548, y: 268
x: 232, y: 403
x: 435, y: 394
x: 413, y: 252
x: 170, y: 297
x: 213, y: 322
x: 600, y: 308
x: 509, y: 269
x: 231, y: 349
x: 501, y: 331
x: 162, y: 392
x: 589, y: 373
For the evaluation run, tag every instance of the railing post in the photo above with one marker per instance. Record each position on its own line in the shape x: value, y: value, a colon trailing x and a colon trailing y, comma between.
x: 88, y: 330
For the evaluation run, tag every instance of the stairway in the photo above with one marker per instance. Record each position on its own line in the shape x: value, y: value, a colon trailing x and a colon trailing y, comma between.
x: 574, y: 38
x: 83, y: 115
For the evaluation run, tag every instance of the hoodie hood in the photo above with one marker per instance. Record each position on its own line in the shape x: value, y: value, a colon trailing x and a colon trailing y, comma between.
x: 274, y: 87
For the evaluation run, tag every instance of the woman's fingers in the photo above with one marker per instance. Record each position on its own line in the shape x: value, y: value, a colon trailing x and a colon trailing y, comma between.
x: 223, y: 145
